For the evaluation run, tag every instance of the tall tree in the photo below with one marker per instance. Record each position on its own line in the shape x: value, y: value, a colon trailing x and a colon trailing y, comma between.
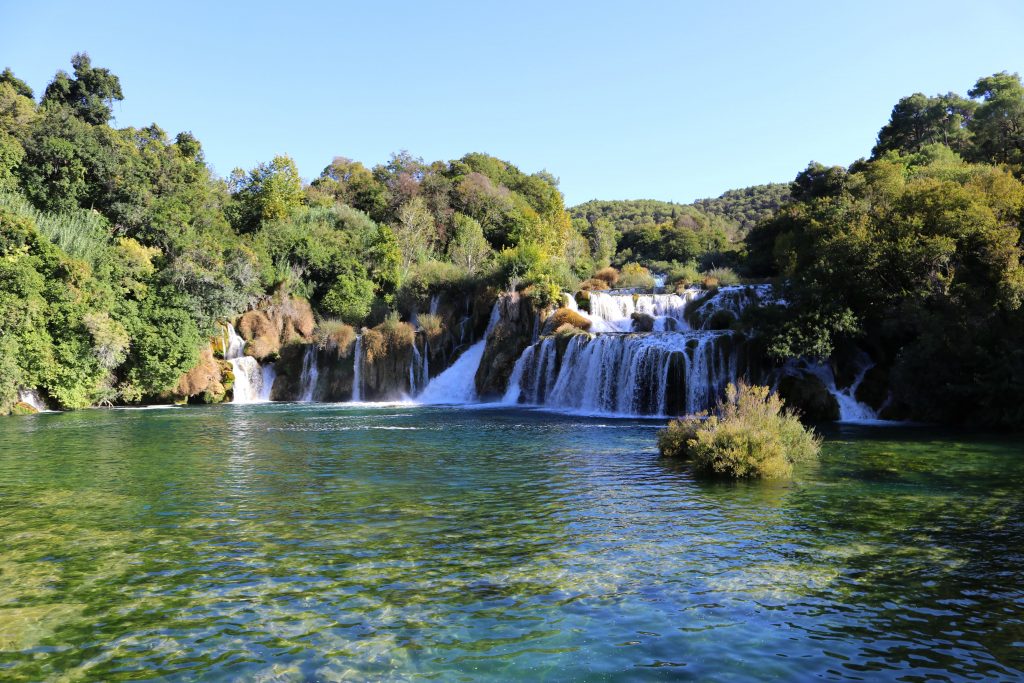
x: 918, y: 120
x: 998, y: 125
x: 90, y: 93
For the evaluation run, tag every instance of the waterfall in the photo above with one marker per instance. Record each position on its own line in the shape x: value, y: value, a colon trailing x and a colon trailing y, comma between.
x: 268, y: 376
x: 310, y: 374
x: 634, y: 374
x: 613, y: 312
x: 248, y: 387
x: 31, y: 397
x: 457, y: 384
x: 850, y: 409
x: 252, y: 383
x: 357, y: 370
x: 733, y: 299
x: 435, y: 303
x: 233, y: 344
x: 417, y: 362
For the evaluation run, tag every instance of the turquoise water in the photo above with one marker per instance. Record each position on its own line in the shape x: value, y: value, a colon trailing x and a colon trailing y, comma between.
x: 311, y: 542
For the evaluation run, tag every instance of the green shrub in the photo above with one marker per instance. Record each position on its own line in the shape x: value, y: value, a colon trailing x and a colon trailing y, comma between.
x: 635, y: 275
x: 723, y: 276
x: 594, y: 285
x: 750, y: 435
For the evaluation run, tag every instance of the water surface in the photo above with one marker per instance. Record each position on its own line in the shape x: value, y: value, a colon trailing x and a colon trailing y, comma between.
x: 313, y: 542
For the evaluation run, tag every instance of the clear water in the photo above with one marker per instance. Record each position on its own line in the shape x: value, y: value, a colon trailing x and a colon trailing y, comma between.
x: 318, y: 543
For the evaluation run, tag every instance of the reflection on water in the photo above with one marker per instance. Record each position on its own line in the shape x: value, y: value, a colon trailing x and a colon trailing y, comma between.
x: 276, y: 542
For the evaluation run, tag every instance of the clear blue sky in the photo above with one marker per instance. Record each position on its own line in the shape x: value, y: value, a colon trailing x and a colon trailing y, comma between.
x: 663, y: 100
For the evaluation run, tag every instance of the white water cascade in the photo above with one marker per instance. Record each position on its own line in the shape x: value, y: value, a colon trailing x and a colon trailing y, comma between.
x: 457, y: 384
x: 251, y: 384
x: 357, y: 370
x: 671, y: 370
x: 632, y: 374
x: 614, y: 312
x: 310, y: 374
x: 850, y: 409
x: 31, y: 397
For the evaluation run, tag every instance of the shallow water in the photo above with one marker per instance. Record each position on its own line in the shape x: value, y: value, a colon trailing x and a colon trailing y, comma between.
x: 313, y: 542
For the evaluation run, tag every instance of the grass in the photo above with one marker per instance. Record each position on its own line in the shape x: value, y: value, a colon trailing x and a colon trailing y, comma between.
x: 335, y: 334
x: 750, y: 435
x: 82, y: 234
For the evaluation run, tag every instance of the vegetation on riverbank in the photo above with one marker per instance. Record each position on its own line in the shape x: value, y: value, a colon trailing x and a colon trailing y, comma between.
x: 121, y: 251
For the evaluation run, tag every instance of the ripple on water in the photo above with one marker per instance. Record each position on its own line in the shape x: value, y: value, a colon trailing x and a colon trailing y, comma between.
x: 309, y: 542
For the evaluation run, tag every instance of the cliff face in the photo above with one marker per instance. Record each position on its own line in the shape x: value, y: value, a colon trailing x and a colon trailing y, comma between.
x: 516, y: 328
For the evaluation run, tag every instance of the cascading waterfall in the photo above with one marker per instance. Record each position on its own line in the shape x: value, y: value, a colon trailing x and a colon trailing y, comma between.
x: 457, y: 384
x: 251, y: 384
x: 357, y: 370
x: 672, y: 370
x: 631, y: 374
x: 850, y: 409
x: 733, y: 299
x: 31, y: 397
x: 268, y: 375
x: 614, y: 312
x: 310, y: 374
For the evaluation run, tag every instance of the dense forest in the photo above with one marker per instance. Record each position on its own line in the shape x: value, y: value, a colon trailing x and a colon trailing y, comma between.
x: 122, y: 252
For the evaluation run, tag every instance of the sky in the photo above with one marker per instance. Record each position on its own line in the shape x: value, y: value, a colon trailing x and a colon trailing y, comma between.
x: 620, y: 100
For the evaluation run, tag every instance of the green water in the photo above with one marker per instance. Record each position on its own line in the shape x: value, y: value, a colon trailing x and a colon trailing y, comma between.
x: 308, y: 543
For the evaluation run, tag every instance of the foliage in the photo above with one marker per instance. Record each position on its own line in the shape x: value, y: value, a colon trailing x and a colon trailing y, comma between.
x: 751, y: 434
x: 722, y: 276
x: 633, y: 275
x: 90, y: 93
x: 335, y: 334
x: 566, y: 316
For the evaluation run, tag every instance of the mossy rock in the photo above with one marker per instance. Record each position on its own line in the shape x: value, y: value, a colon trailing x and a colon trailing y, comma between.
x: 720, y: 320
x: 642, y: 322
x: 22, y: 408
x: 809, y: 395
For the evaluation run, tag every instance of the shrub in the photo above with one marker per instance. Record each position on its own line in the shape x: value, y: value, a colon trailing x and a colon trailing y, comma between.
x: 723, y: 276
x: 396, y: 333
x: 710, y: 283
x: 635, y: 275
x: 683, y: 276
x: 431, y: 325
x: 374, y: 345
x: 594, y: 285
x: 565, y: 316
x: 750, y: 435
x: 335, y: 334
x: 567, y: 330
x: 607, y: 275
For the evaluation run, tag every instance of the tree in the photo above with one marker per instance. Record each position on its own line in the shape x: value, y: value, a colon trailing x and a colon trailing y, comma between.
x: 19, y: 86
x: 415, y: 231
x: 998, y: 124
x: 469, y: 248
x: 267, y: 193
x: 918, y: 120
x: 90, y: 93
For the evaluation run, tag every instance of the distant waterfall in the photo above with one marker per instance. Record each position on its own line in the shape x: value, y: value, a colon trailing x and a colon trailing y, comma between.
x: 850, y: 409
x: 251, y: 384
x: 31, y: 397
x: 415, y: 370
x: 357, y: 370
x: 634, y: 374
x: 269, y: 375
x: 732, y: 299
x: 614, y: 312
x: 310, y: 374
x: 457, y: 384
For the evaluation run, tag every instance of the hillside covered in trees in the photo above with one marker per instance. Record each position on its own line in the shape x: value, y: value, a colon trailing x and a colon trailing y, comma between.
x: 121, y: 253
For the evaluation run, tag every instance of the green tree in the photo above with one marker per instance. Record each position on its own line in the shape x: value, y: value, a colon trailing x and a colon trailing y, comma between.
x: 918, y: 120
x: 20, y: 87
x: 90, y: 93
x: 266, y: 193
x: 468, y: 248
x: 998, y: 123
